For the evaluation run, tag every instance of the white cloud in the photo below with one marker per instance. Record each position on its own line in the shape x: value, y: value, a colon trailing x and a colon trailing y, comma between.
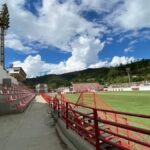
x: 35, y: 66
x: 99, y: 5
x: 60, y: 25
x: 134, y: 14
x: 100, y: 64
x: 85, y: 52
x: 133, y: 42
x: 56, y: 25
x: 109, y: 40
x: 116, y: 61
x: 129, y: 49
x: 13, y: 42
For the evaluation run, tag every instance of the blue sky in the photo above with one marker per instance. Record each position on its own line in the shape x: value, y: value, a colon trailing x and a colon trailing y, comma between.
x: 59, y: 36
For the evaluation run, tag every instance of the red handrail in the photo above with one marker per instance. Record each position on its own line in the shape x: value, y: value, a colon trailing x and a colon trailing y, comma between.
x: 113, y: 111
x: 77, y: 123
x: 140, y: 130
x: 135, y: 129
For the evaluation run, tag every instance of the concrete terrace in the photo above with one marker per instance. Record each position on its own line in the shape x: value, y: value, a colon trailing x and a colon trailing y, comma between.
x: 31, y: 130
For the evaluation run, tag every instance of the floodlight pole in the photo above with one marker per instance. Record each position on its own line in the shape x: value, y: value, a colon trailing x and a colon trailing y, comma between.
x: 128, y: 72
x: 4, y: 25
x: 2, y: 57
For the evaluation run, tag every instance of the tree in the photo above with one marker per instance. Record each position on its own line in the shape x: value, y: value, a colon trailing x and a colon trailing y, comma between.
x: 4, y: 17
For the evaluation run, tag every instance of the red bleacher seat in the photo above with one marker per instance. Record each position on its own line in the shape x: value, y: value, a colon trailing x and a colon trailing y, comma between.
x: 18, y: 96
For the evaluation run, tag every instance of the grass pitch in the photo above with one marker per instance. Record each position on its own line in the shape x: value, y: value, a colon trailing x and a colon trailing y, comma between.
x: 133, y: 102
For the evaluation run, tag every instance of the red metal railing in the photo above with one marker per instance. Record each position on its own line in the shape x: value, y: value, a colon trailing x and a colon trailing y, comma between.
x: 98, y: 131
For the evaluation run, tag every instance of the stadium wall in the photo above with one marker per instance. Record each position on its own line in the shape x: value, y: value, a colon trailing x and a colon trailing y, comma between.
x: 144, y: 88
x: 119, y: 89
x: 4, y: 75
x: 137, y: 88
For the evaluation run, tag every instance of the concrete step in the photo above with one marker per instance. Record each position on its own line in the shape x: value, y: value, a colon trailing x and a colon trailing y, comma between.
x: 114, y: 140
x: 103, y: 127
x: 2, y: 99
x: 100, y: 124
x: 105, y: 135
x: 108, y: 146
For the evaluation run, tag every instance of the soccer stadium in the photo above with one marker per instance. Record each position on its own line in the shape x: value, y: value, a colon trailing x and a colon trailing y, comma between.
x: 74, y: 75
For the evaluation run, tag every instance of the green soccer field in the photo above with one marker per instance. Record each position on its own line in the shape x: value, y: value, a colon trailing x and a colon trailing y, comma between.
x: 134, y: 102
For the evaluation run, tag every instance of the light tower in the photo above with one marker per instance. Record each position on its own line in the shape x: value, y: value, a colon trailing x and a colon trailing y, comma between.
x: 4, y: 25
x: 128, y: 72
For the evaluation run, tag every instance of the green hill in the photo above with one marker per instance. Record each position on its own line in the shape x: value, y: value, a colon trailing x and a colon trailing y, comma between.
x: 139, y: 71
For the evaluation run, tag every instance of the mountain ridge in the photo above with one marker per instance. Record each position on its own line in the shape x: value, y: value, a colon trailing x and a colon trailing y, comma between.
x: 139, y: 71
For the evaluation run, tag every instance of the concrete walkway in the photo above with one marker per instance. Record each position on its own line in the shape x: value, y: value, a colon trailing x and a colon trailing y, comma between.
x: 31, y: 130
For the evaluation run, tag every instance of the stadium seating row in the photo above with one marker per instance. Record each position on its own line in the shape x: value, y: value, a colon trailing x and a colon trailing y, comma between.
x: 15, y: 98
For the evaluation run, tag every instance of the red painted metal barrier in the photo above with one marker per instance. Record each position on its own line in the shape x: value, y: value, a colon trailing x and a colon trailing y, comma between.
x: 102, y: 132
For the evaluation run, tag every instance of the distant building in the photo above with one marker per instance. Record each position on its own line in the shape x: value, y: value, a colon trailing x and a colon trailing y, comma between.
x: 41, y: 88
x: 133, y: 86
x: 64, y: 89
x: 5, y: 76
x: 18, y: 73
x: 147, y: 83
x: 86, y: 87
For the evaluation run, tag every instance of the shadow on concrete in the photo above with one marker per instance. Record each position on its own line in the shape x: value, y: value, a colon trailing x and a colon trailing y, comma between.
x: 33, y: 129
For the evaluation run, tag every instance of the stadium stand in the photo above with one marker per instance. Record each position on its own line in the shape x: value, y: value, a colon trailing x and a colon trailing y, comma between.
x: 14, y: 98
x: 86, y: 87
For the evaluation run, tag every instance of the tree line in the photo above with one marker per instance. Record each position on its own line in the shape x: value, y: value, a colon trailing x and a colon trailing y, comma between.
x: 139, y: 71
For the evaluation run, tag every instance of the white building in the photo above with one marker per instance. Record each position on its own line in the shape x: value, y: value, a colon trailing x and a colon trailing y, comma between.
x: 41, y: 88
x: 18, y: 73
x: 64, y: 89
x: 140, y: 87
x: 5, y: 75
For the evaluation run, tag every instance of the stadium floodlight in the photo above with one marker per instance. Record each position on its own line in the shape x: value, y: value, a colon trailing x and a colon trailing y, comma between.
x: 128, y: 72
x: 4, y: 25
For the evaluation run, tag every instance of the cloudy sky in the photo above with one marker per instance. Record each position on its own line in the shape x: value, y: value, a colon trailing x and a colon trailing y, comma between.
x: 58, y: 36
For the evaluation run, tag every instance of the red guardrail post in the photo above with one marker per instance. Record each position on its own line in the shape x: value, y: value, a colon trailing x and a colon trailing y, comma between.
x: 67, y: 115
x: 49, y: 100
x: 117, y: 129
x: 96, y: 129
x: 58, y: 105
x: 126, y: 122
x: 53, y: 104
